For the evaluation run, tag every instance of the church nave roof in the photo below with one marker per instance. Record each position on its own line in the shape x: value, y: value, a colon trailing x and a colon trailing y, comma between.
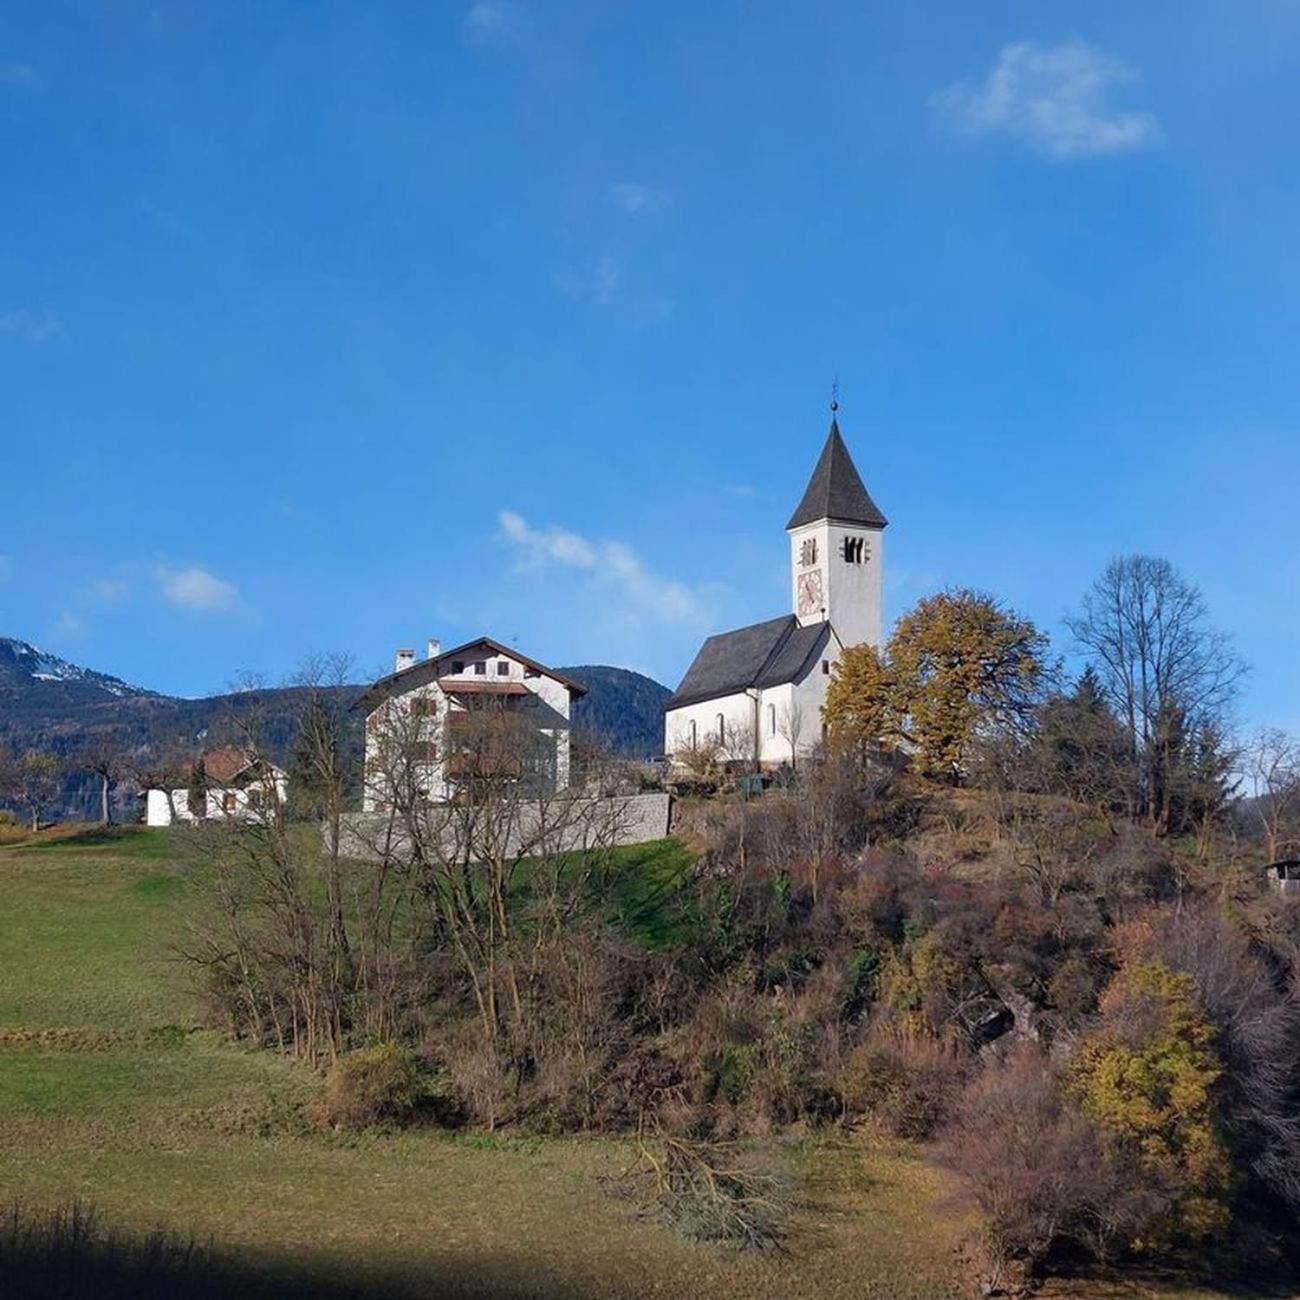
x: 762, y: 654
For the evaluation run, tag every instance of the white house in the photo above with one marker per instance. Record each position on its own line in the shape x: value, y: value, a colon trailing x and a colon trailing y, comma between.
x: 418, y: 705
x: 236, y: 785
x: 757, y: 692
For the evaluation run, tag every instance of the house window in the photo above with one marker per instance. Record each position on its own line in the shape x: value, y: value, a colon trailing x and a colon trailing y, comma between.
x: 480, y: 668
x: 503, y: 668
x: 856, y: 550
x: 532, y: 672
x: 771, y: 719
x: 424, y: 706
x: 229, y: 801
x: 458, y: 665
x: 826, y: 667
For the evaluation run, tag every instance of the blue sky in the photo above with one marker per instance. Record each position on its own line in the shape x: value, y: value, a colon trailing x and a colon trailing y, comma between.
x: 339, y: 325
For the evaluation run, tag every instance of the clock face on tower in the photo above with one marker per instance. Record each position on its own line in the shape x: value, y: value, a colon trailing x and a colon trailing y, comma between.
x: 809, y: 592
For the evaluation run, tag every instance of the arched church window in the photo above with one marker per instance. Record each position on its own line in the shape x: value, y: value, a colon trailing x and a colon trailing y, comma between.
x: 722, y: 729
x: 771, y: 719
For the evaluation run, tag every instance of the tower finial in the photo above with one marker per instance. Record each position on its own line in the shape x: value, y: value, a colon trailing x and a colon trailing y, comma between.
x: 835, y: 395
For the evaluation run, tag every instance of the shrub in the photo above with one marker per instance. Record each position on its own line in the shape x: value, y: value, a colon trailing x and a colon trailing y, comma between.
x: 1032, y: 1164
x: 859, y: 986
x: 1147, y: 1077
x: 1258, y: 1022
x: 735, y: 1069
x: 907, y: 1081
x: 371, y: 1085
x: 919, y: 983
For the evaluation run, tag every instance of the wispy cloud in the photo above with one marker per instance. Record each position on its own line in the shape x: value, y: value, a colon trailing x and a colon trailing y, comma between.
x: 604, y: 284
x: 1055, y: 99
x: 67, y: 627
x: 34, y: 326
x: 639, y: 200
x: 110, y: 591
x: 195, y: 588
x: 599, y: 284
x: 611, y: 565
x: 492, y: 22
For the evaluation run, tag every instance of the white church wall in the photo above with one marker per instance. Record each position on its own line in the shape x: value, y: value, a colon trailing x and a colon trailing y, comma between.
x: 698, y: 724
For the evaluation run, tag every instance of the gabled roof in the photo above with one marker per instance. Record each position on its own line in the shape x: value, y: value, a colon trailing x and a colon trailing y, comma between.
x: 426, y: 670
x: 222, y: 766
x: 835, y: 490
x: 763, y: 654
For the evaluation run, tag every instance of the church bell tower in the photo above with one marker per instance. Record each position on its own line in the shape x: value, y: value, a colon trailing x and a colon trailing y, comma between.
x: 837, y: 536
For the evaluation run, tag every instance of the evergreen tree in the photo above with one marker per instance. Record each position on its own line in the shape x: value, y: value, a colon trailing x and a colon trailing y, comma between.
x: 1080, y: 749
x: 197, y: 793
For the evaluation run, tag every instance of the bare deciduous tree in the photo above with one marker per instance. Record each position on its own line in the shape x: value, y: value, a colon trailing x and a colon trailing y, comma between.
x: 699, y: 755
x: 499, y: 863
x: 1168, y: 674
x: 31, y: 781
x: 1273, y: 770
x: 791, y: 724
x: 103, y: 759
x: 163, y: 763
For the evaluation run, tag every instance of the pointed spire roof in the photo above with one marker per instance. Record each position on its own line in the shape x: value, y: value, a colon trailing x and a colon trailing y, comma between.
x: 835, y: 490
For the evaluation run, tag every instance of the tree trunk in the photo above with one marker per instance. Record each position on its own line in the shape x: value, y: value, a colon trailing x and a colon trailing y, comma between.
x: 105, y: 811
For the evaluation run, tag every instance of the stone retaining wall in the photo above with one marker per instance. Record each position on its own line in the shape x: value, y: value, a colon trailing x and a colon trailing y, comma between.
x: 551, y: 827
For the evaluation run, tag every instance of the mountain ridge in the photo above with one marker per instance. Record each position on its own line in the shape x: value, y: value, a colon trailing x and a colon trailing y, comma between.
x: 52, y: 703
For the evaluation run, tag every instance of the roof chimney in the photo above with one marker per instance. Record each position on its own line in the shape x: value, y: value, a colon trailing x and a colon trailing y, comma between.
x: 435, y: 648
x: 405, y: 658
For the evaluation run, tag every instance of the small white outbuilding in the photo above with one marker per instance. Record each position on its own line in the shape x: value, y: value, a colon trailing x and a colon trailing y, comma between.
x: 236, y: 785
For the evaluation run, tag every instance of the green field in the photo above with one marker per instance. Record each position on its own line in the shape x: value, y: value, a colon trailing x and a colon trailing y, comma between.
x: 110, y: 1092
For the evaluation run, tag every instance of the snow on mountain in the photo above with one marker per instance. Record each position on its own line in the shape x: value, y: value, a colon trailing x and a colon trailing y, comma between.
x: 22, y: 663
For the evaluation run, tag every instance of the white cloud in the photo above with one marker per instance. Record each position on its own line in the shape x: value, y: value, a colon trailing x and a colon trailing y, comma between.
x: 67, y: 627
x: 195, y: 588
x: 492, y: 22
x: 34, y: 326
x: 610, y: 564
x: 639, y: 200
x: 1055, y: 99
x: 600, y: 284
x: 109, y: 590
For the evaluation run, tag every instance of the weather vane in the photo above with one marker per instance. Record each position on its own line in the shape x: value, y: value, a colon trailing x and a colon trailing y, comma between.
x: 835, y: 395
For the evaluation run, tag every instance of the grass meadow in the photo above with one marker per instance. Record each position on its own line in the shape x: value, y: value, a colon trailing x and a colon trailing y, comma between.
x: 113, y: 1096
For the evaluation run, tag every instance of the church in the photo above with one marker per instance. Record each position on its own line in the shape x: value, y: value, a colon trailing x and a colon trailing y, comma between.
x: 756, y: 693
